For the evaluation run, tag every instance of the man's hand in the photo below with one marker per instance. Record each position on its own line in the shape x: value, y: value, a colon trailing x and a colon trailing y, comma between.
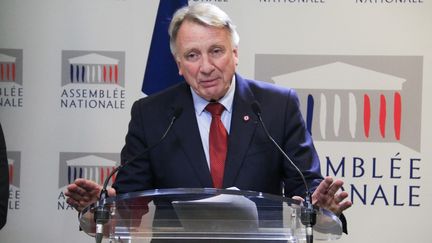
x: 83, y: 192
x: 328, y: 196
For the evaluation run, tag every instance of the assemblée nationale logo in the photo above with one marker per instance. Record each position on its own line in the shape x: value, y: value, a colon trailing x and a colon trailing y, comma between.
x: 92, y: 166
x: 351, y: 98
x: 344, y: 102
x: 360, y: 101
x: 14, y: 167
x: 11, y: 78
x: 93, y: 80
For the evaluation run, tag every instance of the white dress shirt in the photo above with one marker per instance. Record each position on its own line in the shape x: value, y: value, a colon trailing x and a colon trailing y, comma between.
x: 204, y: 117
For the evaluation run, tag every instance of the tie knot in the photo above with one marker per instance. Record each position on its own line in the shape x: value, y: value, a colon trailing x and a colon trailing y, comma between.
x: 215, y: 108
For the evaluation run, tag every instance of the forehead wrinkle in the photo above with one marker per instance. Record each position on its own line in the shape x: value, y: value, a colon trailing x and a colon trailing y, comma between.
x: 193, y: 35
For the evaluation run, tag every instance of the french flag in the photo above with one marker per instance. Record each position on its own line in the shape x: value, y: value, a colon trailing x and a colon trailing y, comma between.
x: 161, y: 70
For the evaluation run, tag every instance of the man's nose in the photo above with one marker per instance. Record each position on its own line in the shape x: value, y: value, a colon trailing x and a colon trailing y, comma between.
x: 207, y: 65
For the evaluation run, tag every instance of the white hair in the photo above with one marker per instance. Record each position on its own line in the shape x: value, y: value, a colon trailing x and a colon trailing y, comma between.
x: 204, y: 14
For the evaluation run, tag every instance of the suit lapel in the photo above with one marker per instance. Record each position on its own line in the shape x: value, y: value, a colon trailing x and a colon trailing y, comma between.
x: 187, y: 132
x: 243, y: 125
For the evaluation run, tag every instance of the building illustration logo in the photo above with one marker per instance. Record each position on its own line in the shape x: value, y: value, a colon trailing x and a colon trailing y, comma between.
x: 93, y: 80
x: 346, y: 99
x: 93, y: 67
x: 7, y: 68
x: 14, y: 166
x: 11, y: 80
x: 354, y: 92
x: 92, y: 166
x: 11, y: 66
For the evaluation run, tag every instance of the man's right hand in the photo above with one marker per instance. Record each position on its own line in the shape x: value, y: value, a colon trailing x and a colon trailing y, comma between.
x: 82, y: 192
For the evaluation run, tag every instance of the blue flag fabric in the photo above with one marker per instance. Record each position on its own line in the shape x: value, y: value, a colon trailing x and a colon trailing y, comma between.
x: 161, y: 70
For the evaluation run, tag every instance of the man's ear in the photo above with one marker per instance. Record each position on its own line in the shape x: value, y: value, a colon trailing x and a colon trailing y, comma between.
x: 177, y: 60
x: 235, y: 52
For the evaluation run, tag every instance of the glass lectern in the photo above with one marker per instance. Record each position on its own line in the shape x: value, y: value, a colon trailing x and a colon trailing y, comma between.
x: 207, y: 213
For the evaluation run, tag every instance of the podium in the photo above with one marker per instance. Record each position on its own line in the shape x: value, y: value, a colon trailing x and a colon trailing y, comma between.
x: 206, y: 213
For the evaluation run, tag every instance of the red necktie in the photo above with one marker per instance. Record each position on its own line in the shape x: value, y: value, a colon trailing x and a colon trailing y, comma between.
x: 218, y: 144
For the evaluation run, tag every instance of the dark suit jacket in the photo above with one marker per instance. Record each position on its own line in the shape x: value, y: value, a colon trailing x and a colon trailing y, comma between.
x: 4, y: 180
x: 253, y: 163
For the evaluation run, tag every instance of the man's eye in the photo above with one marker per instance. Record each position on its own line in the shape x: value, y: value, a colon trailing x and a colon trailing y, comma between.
x: 217, y: 52
x: 192, y: 56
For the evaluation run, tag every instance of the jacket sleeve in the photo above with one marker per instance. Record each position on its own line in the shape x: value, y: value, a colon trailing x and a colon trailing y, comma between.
x: 4, y: 180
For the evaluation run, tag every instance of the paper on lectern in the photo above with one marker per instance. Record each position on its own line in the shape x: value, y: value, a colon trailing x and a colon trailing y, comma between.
x: 231, y: 213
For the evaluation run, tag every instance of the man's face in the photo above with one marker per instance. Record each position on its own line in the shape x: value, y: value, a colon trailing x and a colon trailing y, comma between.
x: 206, y: 58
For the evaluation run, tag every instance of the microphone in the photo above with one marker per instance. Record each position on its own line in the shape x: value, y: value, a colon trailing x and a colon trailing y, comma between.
x: 102, y: 213
x: 308, y: 213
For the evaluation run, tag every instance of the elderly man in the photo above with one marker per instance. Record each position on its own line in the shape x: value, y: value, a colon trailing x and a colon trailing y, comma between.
x: 217, y: 141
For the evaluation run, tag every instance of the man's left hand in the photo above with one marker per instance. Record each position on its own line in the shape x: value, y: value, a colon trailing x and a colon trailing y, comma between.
x: 329, y: 196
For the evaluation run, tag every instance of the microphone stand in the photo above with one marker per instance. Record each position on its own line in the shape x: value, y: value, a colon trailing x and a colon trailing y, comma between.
x: 308, y: 212
x: 102, y: 213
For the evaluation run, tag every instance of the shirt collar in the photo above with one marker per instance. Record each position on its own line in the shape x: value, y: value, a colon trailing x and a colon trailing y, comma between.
x: 227, y: 101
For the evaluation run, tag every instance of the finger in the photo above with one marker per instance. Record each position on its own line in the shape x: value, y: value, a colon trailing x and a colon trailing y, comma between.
x: 324, y: 185
x: 79, y: 195
x: 111, y: 192
x: 298, y: 198
x: 320, y: 194
x: 75, y: 204
x: 77, y: 192
x: 344, y: 205
x: 72, y: 188
x: 76, y: 188
x: 341, y: 207
x: 332, y: 198
x: 72, y: 193
x: 71, y: 201
x: 334, y: 187
x: 87, y: 185
x: 341, y: 196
